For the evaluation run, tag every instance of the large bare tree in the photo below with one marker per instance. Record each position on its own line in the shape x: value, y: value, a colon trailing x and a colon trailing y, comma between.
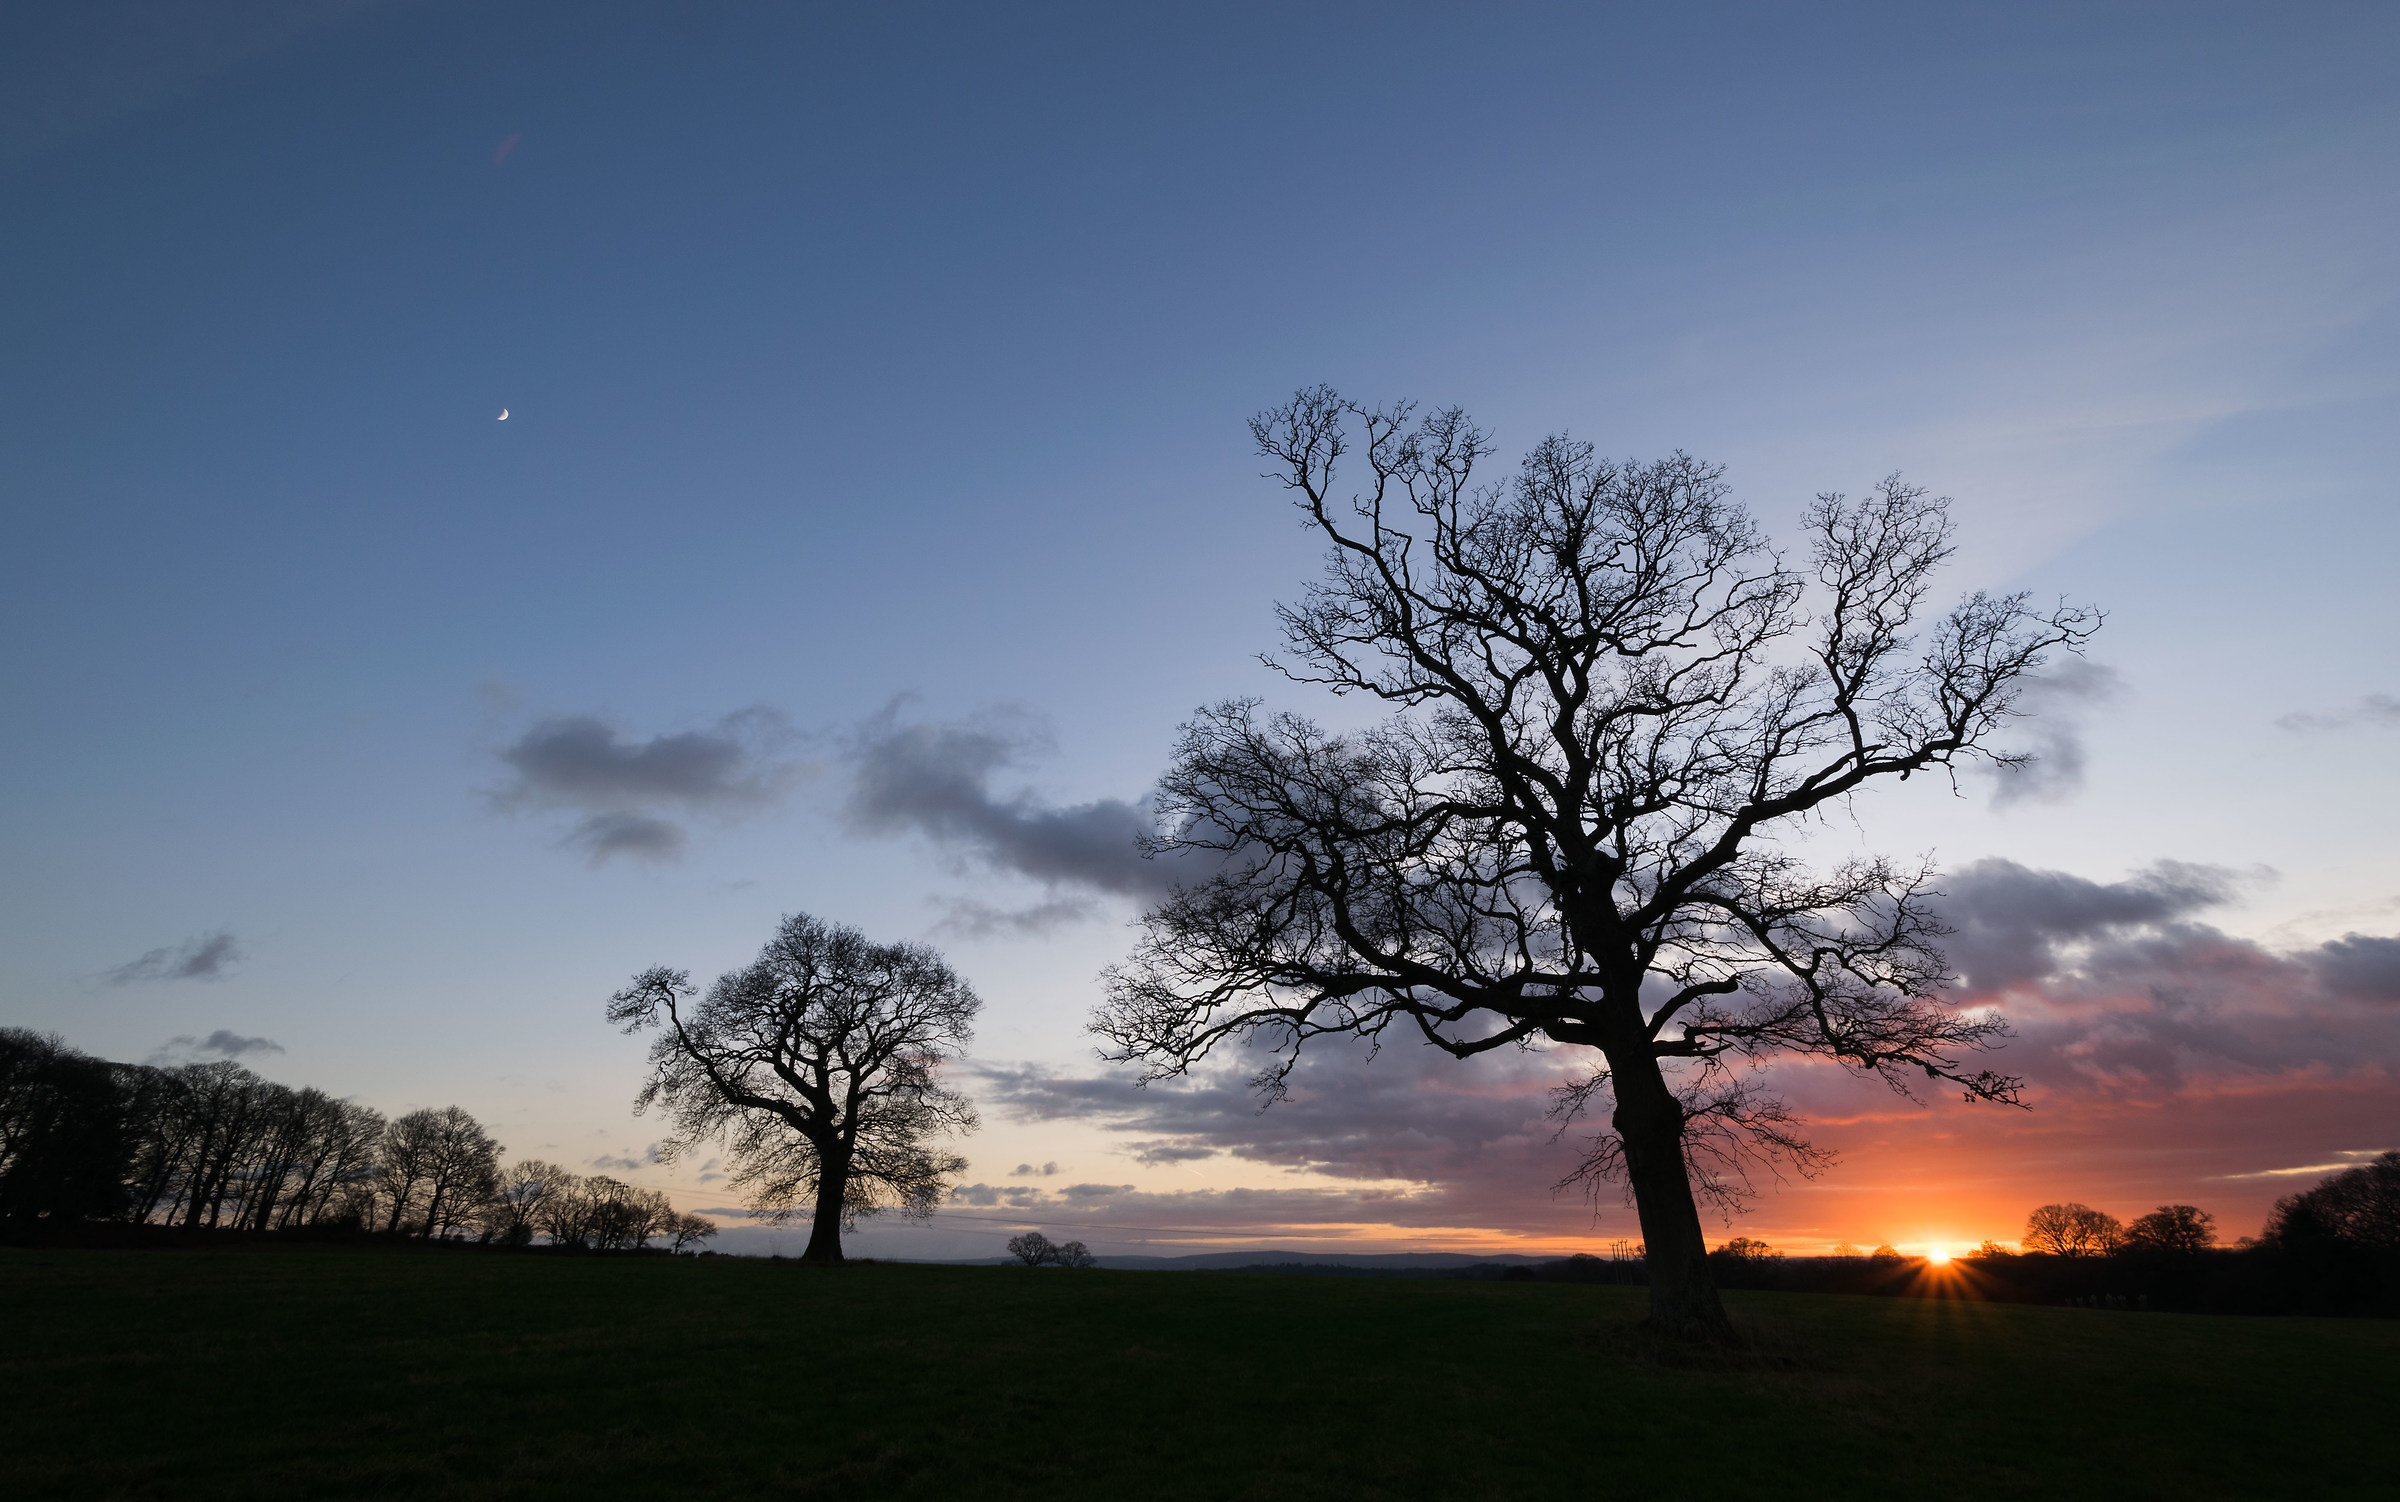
x: 820, y: 1065
x: 1617, y: 707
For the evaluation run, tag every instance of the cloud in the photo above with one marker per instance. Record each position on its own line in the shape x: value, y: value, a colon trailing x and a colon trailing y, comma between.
x: 934, y: 780
x: 626, y: 1162
x: 2362, y: 966
x: 1470, y: 1140
x: 2378, y: 710
x: 1155, y: 1153
x: 208, y: 957
x: 2163, y: 1057
x: 966, y: 918
x: 2055, y: 704
x: 221, y: 1044
x: 1028, y: 1171
x: 625, y: 788
x: 2014, y: 924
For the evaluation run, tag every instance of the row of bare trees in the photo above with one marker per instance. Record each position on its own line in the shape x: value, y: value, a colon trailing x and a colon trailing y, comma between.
x: 215, y: 1146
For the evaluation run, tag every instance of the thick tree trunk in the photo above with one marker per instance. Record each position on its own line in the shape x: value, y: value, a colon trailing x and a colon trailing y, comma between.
x: 825, y: 1231
x: 1649, y: 1120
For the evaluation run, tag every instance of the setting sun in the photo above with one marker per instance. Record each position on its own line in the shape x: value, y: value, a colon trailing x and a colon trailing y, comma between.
x: 1937, y: 1256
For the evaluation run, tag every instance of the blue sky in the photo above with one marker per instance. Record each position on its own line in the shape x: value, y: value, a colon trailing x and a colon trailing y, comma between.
x: 859, y: 353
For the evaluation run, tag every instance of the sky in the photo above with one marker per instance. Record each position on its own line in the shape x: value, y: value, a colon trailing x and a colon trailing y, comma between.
x: 874, y: 500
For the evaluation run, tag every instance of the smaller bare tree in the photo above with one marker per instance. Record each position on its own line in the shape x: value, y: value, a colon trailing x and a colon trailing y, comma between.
x: 521, y: 1199
x: 820, y: 1066
x: 2182, y: 1229
x: 2073, y: 1230
x: 689, y: 1231
x: 1033, y: 1249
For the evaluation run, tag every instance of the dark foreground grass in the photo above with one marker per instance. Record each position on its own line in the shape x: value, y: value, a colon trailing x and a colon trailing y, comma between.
x: 345, y: 1373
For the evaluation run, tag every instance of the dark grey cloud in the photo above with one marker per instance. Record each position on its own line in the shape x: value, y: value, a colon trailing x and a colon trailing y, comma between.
x: 224, y: 1043
x: 626, y: 1162
x: 209, y: 956
x: 2013, y: 924
x: 2116, y: 986
x: 935, y: 780
x: 633, y: 794
x: 1408, y: 1114
x: 1028, y: 1171
x: 2362, y: 966
x: 2056, y: 705
x: 2378, y: 710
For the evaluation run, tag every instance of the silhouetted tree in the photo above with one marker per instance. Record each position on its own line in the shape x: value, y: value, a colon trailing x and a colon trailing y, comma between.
x: 2357, y: 1208
x: 1073, y: 1254
x: 1615, y: 700
x: 2178, y: 1229
x: 1032, y: 1248
x: 819, y: 1063
x: 520, y: 1199
x: 64, y: 1145
x: 2073, y: 1230
x: 689, y: 1230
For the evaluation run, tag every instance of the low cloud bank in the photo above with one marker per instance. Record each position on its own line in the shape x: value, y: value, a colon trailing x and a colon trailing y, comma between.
x: 2165, y: 1060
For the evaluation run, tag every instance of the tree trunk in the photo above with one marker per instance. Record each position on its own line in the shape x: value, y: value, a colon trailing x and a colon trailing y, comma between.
x: 1649, y: 1120
x: 825, y: 1231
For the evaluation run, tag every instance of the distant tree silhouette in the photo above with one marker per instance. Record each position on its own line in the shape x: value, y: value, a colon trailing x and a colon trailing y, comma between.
x: 1032, y: 1248
x: 1036, y: 1250
x: 64, y: 1144
x: 435, y: 1170
x: 688, y: 1231
x: 1747, y: 1249
x: 2072, y: 1230
x: 819, y: 1064
x: 2357, y: 1208
x: 1616, y: 705
x: 521, y: 1197
x: 2178, y: 1229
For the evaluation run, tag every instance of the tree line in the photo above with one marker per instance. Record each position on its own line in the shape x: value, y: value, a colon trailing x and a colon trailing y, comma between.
x: 215, y: 1146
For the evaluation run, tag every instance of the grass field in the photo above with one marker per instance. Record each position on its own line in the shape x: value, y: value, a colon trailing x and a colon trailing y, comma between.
x: 329, y: 1372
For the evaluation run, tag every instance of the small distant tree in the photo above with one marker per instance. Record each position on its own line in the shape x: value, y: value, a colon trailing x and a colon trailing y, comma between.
x: 689, y: 1231
x: 1886, y: 1253
x: 2180, y: 1229
x: 1033, y: 1248
x: 820, y: 1065
x: 2073, y: 1230
x: 1073, y: 1254
x: 1748, y: 1249
x: 1991, y: 1249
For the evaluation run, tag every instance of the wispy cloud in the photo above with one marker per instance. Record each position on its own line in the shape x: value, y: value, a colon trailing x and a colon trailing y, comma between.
x: 2055, y: 707
x: 224, y: 1043
x: 2380, y: 711
x: 936, y: 780
x: 210, y: 956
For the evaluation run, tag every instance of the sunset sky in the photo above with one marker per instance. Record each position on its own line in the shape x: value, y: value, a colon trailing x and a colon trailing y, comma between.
x: 874, y: 501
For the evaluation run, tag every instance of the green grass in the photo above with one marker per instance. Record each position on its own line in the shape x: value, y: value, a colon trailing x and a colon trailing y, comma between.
x: 328, y: 1372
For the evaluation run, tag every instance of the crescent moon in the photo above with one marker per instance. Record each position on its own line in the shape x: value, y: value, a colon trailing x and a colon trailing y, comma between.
x: 503, y: 414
